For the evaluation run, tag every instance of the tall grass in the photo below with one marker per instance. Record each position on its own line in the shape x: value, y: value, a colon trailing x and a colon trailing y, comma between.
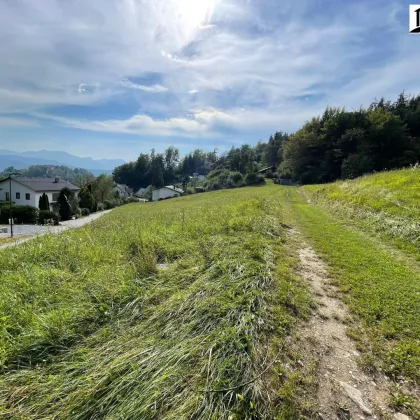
x: 169, y: 310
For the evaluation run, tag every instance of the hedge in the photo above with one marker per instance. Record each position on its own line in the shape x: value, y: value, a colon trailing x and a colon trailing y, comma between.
x: 21, y: 214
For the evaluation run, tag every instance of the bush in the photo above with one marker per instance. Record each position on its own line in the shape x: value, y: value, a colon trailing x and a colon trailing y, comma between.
x: 86, y: 200
x: 213, y: 185
x: 21, y: 214
x: 236, y: 177
x: 101, y: 206
x: 110, y: 204
x: 47, y: 217
x: 133, y: 200
x: 190, y: 190
x: 85, y: 212
x: 254, y: 178
x: 223, y: 178
x: 65, y: 208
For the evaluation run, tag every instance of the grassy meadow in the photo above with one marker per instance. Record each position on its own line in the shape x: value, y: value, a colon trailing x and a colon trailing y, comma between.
x: 186, y: 308
x: 170, y: 310
x: 385, y: 202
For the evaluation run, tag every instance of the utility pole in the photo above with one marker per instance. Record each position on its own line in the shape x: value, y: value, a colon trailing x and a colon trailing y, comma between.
x: 10, y: 202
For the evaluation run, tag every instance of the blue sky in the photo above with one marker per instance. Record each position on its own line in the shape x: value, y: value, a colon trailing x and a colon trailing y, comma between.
x: 114, y: 78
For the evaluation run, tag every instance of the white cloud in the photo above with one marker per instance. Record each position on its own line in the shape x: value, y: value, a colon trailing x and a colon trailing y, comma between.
x: 248, y: 69
x: 151, y: 89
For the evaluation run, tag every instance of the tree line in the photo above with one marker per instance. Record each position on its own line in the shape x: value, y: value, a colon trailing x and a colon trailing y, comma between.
x: 339, y: 144
x: 159, y: 169
x: 342, y: 144
x: 77, y: 176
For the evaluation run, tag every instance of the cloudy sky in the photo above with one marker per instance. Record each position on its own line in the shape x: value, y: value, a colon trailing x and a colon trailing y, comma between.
x: 113, y: 78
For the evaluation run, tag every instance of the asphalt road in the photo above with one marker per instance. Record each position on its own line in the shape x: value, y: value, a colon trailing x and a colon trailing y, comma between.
x: 35, y: 230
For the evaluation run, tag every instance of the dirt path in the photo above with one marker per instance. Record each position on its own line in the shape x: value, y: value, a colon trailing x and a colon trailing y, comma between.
x: 344, y: 391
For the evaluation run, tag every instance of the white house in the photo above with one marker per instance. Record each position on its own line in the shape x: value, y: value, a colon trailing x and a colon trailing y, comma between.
x: 122, y: 190
x: 198, y: 177
x: 27, y: 191
x: 166, y: 192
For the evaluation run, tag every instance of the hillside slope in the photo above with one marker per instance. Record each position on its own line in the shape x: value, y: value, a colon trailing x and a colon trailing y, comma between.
x: 170, y: 310
x: 386, y: 202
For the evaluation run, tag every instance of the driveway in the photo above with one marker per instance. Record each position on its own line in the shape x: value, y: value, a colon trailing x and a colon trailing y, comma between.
x: 36, y: 230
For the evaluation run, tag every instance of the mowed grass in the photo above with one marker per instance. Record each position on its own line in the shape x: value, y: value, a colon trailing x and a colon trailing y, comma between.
x: 383, y: 292
x: 170, y: 310
x: 386, y: 202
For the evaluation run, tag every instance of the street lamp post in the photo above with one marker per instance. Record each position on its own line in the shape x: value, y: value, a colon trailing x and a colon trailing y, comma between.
x: 10, y: 202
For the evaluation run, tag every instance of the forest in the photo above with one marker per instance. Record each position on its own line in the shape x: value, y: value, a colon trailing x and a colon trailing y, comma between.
x: 339, y: 144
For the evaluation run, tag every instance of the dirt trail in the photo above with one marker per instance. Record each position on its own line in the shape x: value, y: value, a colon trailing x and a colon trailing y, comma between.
x: 344, y: 391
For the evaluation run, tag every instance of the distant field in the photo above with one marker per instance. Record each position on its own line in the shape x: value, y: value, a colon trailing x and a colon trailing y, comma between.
x: 169, y: 310
x: 387, y: 202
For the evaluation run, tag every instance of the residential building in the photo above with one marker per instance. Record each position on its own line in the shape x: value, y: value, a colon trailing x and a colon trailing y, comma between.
x: 27, y: 191
x: 122, y: 190
x: 142, y: 192
x: 166, y: 192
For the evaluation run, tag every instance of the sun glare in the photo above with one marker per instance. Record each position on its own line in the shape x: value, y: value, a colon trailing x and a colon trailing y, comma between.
x: 196, y: 13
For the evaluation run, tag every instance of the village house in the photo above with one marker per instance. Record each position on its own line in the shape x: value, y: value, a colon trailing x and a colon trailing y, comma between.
x: 27, y: 191
x: 142, y: 192
x: 122, y: 190
x: 166, y: 192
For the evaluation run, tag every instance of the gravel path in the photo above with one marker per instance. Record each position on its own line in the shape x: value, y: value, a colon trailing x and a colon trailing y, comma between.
x: 35, y: 230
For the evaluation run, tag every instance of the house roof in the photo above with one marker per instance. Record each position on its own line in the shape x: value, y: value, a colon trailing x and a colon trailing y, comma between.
x: 45, y: 184
x: 267, y: 169
x: 171, y: 187
x: 124, y: 188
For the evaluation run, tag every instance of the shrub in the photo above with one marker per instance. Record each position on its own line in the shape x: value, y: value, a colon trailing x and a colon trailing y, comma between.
x: 44, y: 203
x: 254, y: 178
x: 65, y: 208
x: 101, y: 206
x: 47, y: 217
x: 190, y: 190
x: 110, y: 204
x: 213, y: 185
x: 85, y: 212
x: 77, y: 213
x: 236, y: 177
x: 215, y: 174
x: 20, y: 214
x: 86, y: 200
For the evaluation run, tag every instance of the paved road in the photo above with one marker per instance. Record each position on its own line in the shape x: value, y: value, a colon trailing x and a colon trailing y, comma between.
x: 35, y: 230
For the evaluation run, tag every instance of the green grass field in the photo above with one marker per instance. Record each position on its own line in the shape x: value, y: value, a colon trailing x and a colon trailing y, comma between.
x: 386, y: 202
x: 182, y: 309
x: 170, y: 310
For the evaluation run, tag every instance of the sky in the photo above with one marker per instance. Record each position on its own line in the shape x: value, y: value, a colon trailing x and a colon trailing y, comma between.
x: 116, y: 78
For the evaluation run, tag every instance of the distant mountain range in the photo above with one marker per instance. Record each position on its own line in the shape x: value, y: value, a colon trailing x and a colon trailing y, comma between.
x: 45, y: 157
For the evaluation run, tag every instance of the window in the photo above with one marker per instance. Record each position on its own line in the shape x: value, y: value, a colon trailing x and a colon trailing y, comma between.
x: 28, y: 196
x: 7, y: 197
x: 55, y: 196
x: 17, y: 196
